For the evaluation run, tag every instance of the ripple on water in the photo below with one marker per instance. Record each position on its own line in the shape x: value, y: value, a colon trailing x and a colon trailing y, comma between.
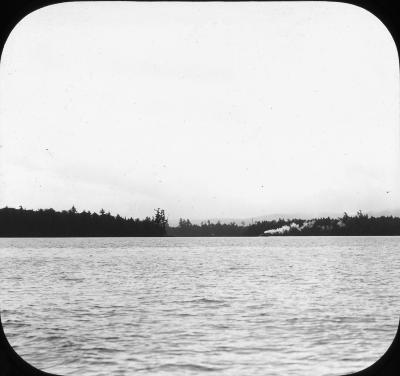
x: 293, y: 306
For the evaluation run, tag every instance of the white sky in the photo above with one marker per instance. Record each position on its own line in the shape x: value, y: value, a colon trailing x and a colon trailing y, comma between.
x: 206, y: 110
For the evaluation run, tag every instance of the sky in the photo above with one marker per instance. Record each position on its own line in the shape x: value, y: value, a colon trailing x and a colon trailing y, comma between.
x: 213, y: 110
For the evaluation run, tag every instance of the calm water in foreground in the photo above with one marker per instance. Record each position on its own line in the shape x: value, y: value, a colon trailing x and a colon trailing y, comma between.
x: 191, y: 306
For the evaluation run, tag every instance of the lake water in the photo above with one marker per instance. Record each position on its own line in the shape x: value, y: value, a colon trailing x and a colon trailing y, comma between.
x: 191, y: 306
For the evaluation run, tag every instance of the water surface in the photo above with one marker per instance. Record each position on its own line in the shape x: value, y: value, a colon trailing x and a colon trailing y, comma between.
x: 191, y: 306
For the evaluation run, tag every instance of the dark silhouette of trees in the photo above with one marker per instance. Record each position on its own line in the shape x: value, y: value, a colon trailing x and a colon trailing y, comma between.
x: 161, y: 220
x: 50, y: 223
x: 186, y: 228
x: 360, y: 224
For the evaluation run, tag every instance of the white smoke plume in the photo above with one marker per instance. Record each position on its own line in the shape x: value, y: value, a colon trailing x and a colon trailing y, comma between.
x: 341, y: 223
x: 282, y: 230
x: 286, y: 228
x: 306, y: 225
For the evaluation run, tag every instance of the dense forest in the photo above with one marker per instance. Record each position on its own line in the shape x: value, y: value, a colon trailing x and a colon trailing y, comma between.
x: 48, y: 222
x: 186, y: 228
x: 359, y: 224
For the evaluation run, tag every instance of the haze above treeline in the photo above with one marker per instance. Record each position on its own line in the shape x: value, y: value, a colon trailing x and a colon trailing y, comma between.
x: 20, y: 222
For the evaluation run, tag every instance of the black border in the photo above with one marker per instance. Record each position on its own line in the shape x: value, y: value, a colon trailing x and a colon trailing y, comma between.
x: 12, y: 11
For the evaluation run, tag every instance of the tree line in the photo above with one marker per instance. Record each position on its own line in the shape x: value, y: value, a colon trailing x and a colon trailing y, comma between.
x: 359, y: 224
x: 186, y: 228
x: 51, y: 223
